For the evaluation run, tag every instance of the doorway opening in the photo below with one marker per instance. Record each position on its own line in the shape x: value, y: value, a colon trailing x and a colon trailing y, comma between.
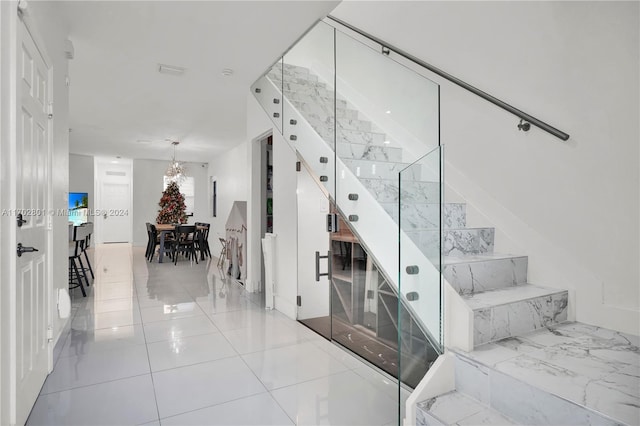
x: 266, y: 193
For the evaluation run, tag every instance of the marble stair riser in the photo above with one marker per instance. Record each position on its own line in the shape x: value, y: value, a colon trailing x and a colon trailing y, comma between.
x: 369, y: 152
x: 302, y: 86
x: 343, y: 123
x: 457, y: 408
x: 387, y: 191
x: 379, y: 169
x: 477, y: 276
x: 360, y: 137
x: 292, y: 71
x: 519, y: 401
x: 459, y: 242
x: 327, y: 100
x: 325, y: 109
x: 303, y: 81
x: 312, y: 90
x: 427, y: 215
x: 322, y: 116
x: 358, y: 140
x: 289, y: 67
x: 298, y: 78
x: 518, y: 318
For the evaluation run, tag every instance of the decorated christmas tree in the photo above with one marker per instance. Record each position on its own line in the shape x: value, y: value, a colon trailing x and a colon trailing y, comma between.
x: 172, y: 206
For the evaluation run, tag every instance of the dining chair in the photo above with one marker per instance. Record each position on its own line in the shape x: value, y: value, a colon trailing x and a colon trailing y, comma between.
x: 185, y: 242
x: 204, y: 239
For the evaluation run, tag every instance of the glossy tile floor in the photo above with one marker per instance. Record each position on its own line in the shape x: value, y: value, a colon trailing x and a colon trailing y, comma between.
x: 178, y: 345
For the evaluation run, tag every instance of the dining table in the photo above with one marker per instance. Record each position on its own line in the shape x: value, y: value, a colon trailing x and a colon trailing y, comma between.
x: 166, y: 228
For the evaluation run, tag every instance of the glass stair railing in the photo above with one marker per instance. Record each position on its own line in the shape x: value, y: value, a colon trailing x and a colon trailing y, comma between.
x: 366, y: 126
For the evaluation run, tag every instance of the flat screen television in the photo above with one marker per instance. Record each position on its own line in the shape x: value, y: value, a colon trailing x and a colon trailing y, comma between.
x: 78, y: 208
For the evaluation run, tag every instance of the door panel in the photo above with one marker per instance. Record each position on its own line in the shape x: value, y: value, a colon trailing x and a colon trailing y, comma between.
x: 32, y: 189
x: 313, y: 207
x: 115, y: 212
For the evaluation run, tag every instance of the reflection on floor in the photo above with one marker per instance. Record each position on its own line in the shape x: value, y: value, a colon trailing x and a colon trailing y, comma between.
x: 365, y: 343
x: 359, y: 341
x: 163, y: 344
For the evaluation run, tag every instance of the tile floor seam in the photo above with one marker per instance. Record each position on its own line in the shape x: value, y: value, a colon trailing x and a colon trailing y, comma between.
x: 284, y: 345
x: 183, y: 337
x: 153, y: 384
x: 214, y: 405
x: 195, y: 363
x: 313, y: 379
x: 171, y: 319
x: 282, y: 408
x: 94, y: 384
x: 103, y: 351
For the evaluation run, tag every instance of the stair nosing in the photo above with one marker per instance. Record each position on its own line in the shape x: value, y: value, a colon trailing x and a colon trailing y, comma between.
x: 449, y: 229
x: 554, y: 292
x: 488, y: 259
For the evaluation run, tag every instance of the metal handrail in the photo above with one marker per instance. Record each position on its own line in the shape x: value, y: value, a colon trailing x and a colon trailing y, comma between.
x: 513, y: 110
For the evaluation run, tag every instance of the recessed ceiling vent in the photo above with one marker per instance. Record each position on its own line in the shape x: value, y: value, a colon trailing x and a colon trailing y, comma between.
x: 171, y: 70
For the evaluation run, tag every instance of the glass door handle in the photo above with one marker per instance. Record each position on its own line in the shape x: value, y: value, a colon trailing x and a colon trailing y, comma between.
x: 324, y: 274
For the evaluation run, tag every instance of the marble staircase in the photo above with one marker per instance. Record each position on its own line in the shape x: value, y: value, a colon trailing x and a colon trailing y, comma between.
x: 494, y: 286
x: 526, y: 363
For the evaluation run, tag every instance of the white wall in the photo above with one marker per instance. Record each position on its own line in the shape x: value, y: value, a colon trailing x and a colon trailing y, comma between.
x: 81, y: 176
x: 231, y: 172
x: 147, y: 190
x: 573, y: 206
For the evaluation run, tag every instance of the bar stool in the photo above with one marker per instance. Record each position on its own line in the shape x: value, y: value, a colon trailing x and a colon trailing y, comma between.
x: 77, y: 270
x: 88, y: 229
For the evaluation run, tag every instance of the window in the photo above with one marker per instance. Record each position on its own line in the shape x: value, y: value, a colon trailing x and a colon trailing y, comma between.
x: 188, y: 190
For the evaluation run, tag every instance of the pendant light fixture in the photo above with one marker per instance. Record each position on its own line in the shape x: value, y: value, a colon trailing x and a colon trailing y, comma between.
x: 176, y: 171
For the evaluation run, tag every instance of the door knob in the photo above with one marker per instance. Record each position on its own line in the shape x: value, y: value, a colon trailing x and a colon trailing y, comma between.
x: 22, y: 249
x: 20, y: 220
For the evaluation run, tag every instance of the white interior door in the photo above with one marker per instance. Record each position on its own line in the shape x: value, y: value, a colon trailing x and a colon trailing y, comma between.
x: 33, y: 153
x: 113, y: 189
x: 114, y: 214
x: 313, y: 207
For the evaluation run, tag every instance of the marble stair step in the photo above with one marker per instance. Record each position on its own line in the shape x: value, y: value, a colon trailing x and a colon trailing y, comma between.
x: 295, y: 77
x: 325, y: 110
x: 387, y: 191
x: 379, y: 169
x: 550, y: 377
x: 327, y: 99
x: 457, y: 242
x: 368, y: 152
x: 473, y: 274
x: 292, y: 70
x: 321, y: 120
x: 358, y: 136
x: 276, y: 78
x: 427, y: 215
x: 514, y: 311
x: 325, y: 131
x: 296, y: 84
x: 457, y: 408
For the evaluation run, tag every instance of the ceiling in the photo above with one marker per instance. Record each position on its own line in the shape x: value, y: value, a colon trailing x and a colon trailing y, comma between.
x: 120, y: 105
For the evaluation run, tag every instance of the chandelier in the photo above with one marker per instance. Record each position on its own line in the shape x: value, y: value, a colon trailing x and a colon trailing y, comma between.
x: 176, y: 171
